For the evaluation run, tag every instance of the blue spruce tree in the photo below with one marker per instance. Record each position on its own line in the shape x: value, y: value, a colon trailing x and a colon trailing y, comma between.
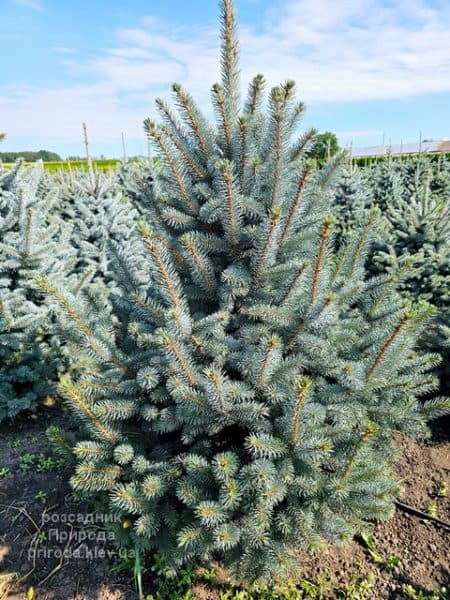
x: 352, y: 197
x: 98, y: 213
x: 417, y: 230
x: 32, y: 241
x: 416, y: 173
x: 386, y: 183
x: 240, y: 395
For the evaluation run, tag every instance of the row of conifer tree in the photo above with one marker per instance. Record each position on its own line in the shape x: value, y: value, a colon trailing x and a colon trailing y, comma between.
x: 237, y: 333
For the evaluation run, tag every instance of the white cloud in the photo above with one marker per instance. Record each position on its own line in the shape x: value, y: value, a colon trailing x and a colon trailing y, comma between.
x: 351, y: 50
x: 33, y: 4
x: 356, y: 49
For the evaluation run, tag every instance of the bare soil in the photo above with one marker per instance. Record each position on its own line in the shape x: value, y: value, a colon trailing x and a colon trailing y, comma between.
x: 64, y: 560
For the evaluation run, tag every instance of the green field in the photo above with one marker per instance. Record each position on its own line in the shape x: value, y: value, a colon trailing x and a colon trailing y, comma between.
x: 111, y: 163
x: 65, y: 165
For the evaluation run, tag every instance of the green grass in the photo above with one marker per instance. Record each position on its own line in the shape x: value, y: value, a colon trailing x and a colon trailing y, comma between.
x: 65, y: 165
x: 111, y: 163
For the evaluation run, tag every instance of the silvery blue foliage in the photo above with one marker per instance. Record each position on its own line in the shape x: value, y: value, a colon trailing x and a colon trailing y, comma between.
x: 99, y: 215
x: 417, y: 229
x: 33, y: 241
x: 239, y: 395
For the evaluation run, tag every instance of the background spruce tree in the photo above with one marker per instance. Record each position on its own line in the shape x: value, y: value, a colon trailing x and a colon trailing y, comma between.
x: 417, y: 229
x: 99, y: 214
x: 351, y: 199
x: 414, y: 198
x: 440, y: 180
x: 30, y: 242
x: 240, y: 394
x: 424, y: 171
x: 386, y: 183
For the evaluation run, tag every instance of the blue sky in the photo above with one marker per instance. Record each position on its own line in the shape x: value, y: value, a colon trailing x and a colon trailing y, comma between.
x: 365, y: 68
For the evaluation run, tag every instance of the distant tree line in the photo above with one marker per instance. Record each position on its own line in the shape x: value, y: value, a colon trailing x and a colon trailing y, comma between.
x: 29, y: 156
x: 324, y: 146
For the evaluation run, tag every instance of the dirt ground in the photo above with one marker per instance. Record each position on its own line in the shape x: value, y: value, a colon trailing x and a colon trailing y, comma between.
x: 50, y: 540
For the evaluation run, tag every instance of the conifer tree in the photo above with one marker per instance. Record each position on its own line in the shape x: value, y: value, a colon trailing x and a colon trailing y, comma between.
x: 417, y: 229
x: 417, y: 173
x: 136, y: 180
x: 386, y: 183
x: 99, y: 214
x: 440, y: 180
x: 30, y: 354
x: 240, y: 394
x: 351, y: 199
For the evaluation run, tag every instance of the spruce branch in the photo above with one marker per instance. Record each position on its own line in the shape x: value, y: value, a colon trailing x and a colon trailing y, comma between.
x: 154, y: 133
x: 324, y: 236
x: 255, y: 92
x: 275, y: 216
x: 216, y: 379
x: 171, y: 121
x: 199, y: 345
x: 172, y: 250
x: 88, y: 275
x: 75, y: 398
x: 387, y: 344
x: 225, y: 125
x: 293, y: 339
x: 52, y: 290
x: 243, y: 128
x: 163, y: 265
x: 303, y: 142
x: 186, y: 104
x: 93, y: 477
x: 230, y: 57
x: 295, y: 204
x: 174, y: 131
x: 297, y: 112
x: 185, y: 155
x: 365, y: 437
x: 291, y: 287
x: 288, y: 89
x: 362, y: 242
x: 229, y: 194
x: 92, y: 451
x: 191, y: 397
x: 174, y: 349
x: 256, y: 164
x: 27, y: 248
x: 352, y: 253
x: 200, y: 263
x: 127, y: 498
x: 278, y: 98
x: 273, y: 343
x: 303, y: 387
x: 154, y: 313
